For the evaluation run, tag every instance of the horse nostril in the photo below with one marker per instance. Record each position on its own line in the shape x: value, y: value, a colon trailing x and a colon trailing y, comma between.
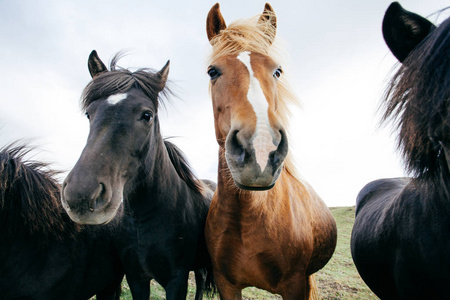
x: 97, y: 196
x: 274, y: 158
x: 92, y: 203
x: 283, y: 145
x: 236, y: 148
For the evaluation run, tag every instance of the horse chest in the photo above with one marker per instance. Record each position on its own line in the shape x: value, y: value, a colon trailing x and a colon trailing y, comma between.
x: 150, y: 245
x: 255, y: 258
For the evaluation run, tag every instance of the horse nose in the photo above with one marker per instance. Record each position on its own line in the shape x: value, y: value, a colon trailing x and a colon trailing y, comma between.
x: 268, y: 149
x: 82, y: 196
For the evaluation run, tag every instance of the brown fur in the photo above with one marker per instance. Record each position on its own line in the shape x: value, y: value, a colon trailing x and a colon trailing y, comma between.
x: 274, y: 239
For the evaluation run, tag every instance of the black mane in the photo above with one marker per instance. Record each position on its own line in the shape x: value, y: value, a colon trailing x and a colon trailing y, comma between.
x: 417, y: 99
x: 30, y: 197
x: 120, y: 80
x: 182, y: 166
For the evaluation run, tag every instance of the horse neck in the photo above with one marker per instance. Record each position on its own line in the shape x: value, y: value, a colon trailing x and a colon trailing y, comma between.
x: 270, y: 203
x: 157, y: 181
x: 436, y: 187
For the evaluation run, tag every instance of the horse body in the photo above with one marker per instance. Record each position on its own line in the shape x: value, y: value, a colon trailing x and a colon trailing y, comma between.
x: 265, y: 227
x: 127, y: 160
x: 261, y: 239
x: 71, y: 269
x: 399, y: 240
x: 163, y: 240
x: 44, y: 254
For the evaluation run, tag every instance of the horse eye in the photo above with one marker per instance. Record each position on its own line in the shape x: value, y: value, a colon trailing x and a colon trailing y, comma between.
x: 88, y: 116
x: 146, y: 116
x: 213, y: 73
x: 277, y: 73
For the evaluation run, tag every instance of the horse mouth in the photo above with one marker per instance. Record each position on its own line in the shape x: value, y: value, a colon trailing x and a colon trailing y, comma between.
x: 91, y: 218
x: 254, y: 188
x: 82, y: 214
x: 250, y: 178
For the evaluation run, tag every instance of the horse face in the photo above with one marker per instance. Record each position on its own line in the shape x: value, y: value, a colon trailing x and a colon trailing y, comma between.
x: 244, y: 95
x: 121, y: 127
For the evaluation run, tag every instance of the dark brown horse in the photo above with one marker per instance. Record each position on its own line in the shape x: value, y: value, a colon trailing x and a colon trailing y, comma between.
x: 127, y: 160
x: 400, y: 242
x: 266, y: 227
x: 44, y: 255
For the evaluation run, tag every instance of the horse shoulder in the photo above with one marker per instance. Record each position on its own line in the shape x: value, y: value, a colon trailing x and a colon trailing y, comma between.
x: 376, y: 220
x: 323, y: 231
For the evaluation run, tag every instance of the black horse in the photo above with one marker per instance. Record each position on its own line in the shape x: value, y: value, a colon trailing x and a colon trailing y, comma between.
x: 400, y: 242
x: 127, y: 160
x: 43, y: 254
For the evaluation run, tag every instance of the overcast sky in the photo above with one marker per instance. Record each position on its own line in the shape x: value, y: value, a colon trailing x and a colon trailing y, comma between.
x: 338, y: 64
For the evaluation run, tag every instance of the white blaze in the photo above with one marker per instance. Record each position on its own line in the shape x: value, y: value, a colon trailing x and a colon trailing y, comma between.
x: 262, y: 138
x: 114, y: 99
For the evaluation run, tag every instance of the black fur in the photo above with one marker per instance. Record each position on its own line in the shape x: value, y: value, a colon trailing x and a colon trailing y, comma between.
x: 161, y: 235
x: 400, y: 239
x: 44, y: 255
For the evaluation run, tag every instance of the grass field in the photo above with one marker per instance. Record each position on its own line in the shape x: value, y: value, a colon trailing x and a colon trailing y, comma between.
x: 337, y: 280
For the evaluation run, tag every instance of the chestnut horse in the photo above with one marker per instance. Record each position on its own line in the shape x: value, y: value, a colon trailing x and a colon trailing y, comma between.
x: 400, y: 241
x: 266, y: 227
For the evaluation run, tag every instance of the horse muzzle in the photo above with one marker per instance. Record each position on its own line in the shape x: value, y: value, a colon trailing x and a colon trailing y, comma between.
x: 88, y: 201
x: 255, y: 162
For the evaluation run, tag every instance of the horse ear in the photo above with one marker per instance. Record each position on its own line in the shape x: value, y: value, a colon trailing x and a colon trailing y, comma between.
x: 163, y: 74
x: 269, y: 20
x: 214, y: 22
x: 95, y: 65
x: 404, y: 30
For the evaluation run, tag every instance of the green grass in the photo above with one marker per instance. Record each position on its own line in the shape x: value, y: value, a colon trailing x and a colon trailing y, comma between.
x: 337, y: 280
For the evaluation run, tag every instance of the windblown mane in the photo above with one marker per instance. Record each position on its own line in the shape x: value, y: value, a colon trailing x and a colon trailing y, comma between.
x: 120, y: 80
x: 30, y: 198
x: 251, y: 35
x: 182, y: 167
x: 417, y: 102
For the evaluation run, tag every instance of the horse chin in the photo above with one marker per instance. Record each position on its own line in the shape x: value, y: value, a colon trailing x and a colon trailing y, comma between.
x: 94, y: 218
x: 250, y: 178
x: 253, y: 188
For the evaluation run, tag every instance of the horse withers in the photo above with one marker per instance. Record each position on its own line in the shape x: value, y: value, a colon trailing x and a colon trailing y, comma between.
x: 127, y: 161
x: 44, y: 255
x: 266, y: 227
x: 400, y: 239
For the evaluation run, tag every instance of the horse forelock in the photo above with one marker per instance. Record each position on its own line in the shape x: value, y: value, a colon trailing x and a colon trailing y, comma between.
x: 416, y: 101
x: 251, y: 35
x: 121, y: 80
x: 30, y: 197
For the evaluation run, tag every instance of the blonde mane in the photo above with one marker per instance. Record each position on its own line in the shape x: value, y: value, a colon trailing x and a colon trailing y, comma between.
x: 256, y: 36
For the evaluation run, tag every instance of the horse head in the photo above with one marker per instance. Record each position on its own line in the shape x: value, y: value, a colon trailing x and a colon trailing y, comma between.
x: 418, y: 95
x: 245, y: 95
x: 122, y: 110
